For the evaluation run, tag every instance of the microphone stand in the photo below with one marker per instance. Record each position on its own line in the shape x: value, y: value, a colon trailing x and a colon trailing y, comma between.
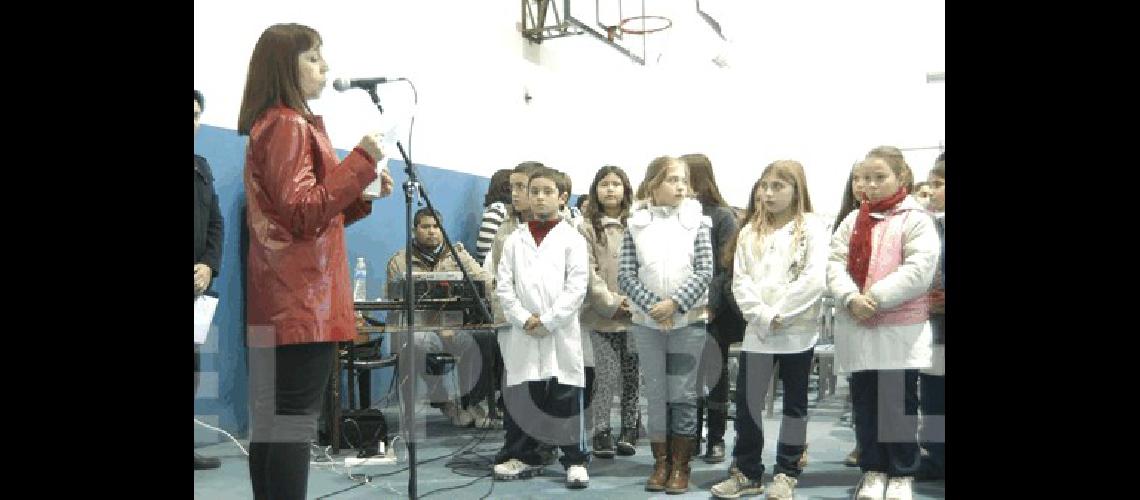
x: 407, y: 362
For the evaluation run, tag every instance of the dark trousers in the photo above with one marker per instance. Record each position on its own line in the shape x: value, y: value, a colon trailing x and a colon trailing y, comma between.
x: 477, y: 369
x: 287, y: 389
x: 933, y: 436
x: 751, y: 392
x: 543, y: 412
x: 932, y: 394
x: 364, y: 382
x: 714, y: 375
x: 197, y: 365
x: 885, y: 404
x: 197, y: 368
x: 588, y: 397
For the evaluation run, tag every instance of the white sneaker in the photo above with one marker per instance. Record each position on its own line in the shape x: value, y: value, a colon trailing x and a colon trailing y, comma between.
x: 782, y: 488
x: 736, y: 485
x: 872, y: 486
x: 477, y: 412
x: 481, y: 420
x: 489, y: 423
x: 576, y: 477
x: 515, y: 469
x: 899, y: 488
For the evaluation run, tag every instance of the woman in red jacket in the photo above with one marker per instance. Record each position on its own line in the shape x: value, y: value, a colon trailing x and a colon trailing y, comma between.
x: 298, y: 299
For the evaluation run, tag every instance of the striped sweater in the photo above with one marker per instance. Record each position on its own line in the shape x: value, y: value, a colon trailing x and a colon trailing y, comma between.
x: 493, y: 217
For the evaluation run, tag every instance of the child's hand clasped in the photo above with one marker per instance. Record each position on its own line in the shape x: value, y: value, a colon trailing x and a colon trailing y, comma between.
x: 663, y: 310
x: 532, y: 324
x: 862, y: 307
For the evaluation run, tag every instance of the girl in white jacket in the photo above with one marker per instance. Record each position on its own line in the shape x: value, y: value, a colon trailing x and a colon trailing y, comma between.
x: 882, y: 263
x: 665, y: 268
x: 779, y: 268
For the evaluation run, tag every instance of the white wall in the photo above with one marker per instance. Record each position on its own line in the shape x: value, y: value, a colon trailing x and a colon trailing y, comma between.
x: 818, y: 81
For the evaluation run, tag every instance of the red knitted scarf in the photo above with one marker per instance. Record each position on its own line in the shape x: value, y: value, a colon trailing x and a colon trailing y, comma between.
x: 859, y: 248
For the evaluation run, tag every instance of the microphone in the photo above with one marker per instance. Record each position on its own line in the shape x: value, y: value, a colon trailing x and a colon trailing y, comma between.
x: 343, y: 84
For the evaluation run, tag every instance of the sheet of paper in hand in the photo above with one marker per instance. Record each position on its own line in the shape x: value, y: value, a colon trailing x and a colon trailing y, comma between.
x: 204, y: 307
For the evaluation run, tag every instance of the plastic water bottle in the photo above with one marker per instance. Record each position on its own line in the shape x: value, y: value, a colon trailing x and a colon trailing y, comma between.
x: 360, y: 281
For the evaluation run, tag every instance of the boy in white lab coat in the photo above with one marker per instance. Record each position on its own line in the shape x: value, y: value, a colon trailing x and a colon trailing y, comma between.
x: 541, y: 283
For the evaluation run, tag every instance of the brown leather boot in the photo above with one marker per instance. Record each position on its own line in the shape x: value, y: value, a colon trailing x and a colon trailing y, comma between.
x: 656, y: 481
x: 681, y: 450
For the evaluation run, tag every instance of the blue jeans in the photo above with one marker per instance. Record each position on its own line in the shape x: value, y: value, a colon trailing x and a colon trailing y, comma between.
x: 669, y: 366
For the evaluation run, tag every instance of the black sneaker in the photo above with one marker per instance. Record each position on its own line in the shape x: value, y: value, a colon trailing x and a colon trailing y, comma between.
x: 929, y: 472
x: 715, y: 453
x: 204, y: 463
x: 627, y: 443
x: 547, y: 453
x: 604, y: 444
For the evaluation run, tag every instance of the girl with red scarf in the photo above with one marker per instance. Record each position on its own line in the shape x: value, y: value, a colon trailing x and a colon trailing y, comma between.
x: 882, y: 262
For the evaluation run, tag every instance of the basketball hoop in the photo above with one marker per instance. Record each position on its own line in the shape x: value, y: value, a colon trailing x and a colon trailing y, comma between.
x: 649, y: 24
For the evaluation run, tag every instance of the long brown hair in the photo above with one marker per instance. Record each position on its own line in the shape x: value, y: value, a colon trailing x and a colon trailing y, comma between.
x: 655, y: 175
x: 703, y: 181
x: 595, y: 211
x: 272, y: 77
x: 849, y: 203
x: 789, y: 171
x: 499, y: 189
x: 939, y: 165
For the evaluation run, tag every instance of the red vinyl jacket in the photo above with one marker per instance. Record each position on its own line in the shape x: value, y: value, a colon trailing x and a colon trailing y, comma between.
x: 300, y: 198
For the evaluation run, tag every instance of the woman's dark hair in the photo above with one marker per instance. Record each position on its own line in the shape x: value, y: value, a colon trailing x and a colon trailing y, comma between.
x: 581, y: 199
x: 500, y: 188
x: 595, y: 211
x: 564, y: 183
x: 201, y: 100
x: 849, y: 202
x: 272, y: 77
x: 703, y: 181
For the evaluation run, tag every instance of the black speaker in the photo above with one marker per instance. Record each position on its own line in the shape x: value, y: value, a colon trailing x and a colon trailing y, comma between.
x: 362, y: 430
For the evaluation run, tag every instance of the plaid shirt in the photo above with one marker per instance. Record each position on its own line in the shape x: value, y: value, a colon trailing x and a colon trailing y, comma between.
x: 685, y: 295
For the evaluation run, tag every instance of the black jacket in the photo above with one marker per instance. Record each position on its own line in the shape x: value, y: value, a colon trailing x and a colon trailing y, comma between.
x: 207, y: 218
x: 726, y: 318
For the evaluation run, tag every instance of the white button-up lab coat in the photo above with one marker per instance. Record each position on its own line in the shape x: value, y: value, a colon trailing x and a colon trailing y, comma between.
x: 549, y: 280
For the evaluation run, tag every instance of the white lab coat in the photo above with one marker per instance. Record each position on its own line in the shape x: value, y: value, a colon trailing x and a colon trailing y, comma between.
x: 763, y: 286
x: 886, y: 347
x: 549, y: 280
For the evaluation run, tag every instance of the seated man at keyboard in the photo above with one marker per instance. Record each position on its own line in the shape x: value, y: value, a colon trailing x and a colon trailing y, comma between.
x: 430, y: 255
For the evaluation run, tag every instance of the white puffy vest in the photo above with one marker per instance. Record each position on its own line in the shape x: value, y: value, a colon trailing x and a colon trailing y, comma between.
x: 665, y: 250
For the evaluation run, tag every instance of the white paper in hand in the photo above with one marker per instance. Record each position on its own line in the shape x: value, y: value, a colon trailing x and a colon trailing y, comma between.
x: 204, y: 307
x: 388, y: 145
